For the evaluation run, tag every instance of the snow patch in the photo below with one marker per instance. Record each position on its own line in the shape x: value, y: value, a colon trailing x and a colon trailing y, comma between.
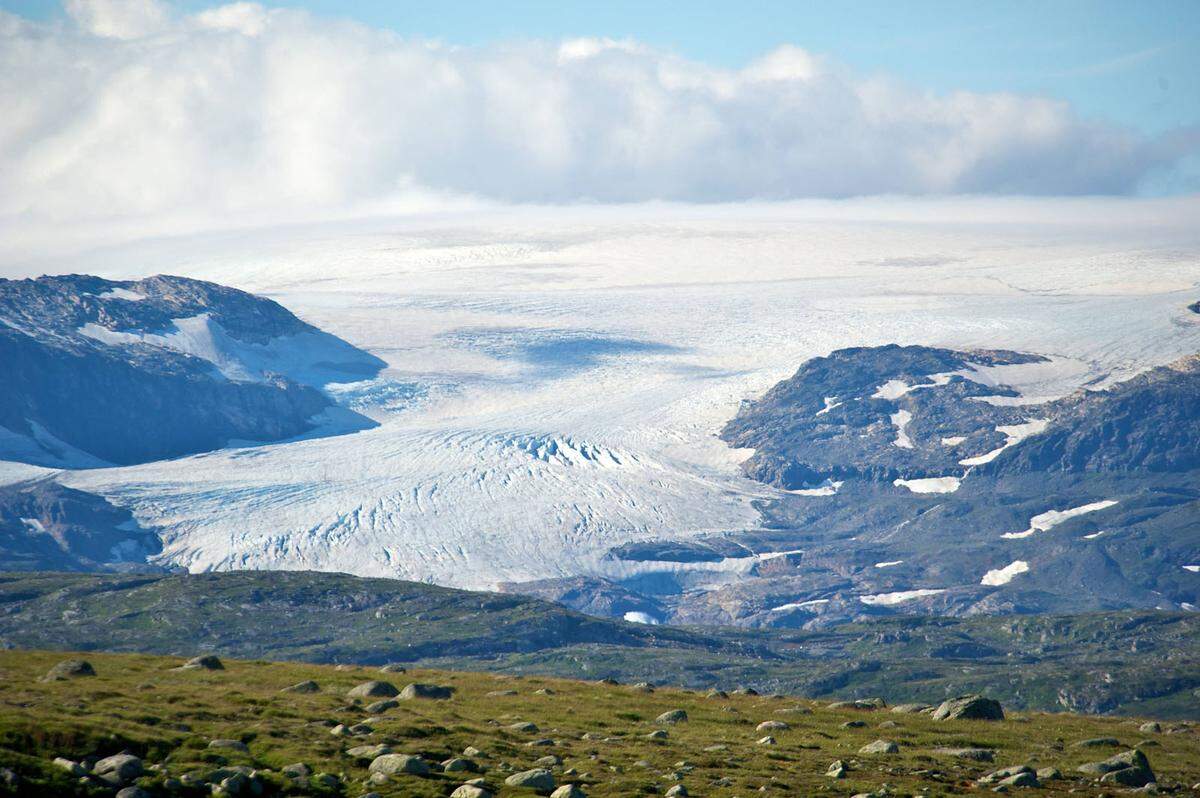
x: 900, y: 596
x: 1015, y: 434
x: 828, y: 488
x: 1094, y: 535
x: 1193, y: 568
x: 930, y: 484
x: 888, y: 564
x: 122, y: 293
x: 34, y: 525
x: 900, y: 419
x: 830, y: 403
x: 1052, y: 518
x: 954, y: 440
x: 1002, y: 576
x: 800, y: 605
x: 641, y: 617
x: 892, y: 389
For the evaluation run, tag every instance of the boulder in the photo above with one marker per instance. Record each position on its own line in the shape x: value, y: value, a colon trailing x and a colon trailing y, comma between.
x: 206, y: 662
x: 379, y: 707
x: 671, y: 717
x: 538, y: 779
x: 772, y: 725
x: 569, y: 791
x: 1099, y: 742
x: 678, y: 791
x: 229, y: 745
x: 910, y: 709
x: 501, y: 693
x: 1005, y: 773
x: 430, y: 691
x: 524, y: 726
x: 368, y: 751
x: 133, y: 792
x: 471, y: 791
x: 118, y: 770
x: 69, y: 669
x: 297, y: 770
x: 1128, y: 769
x: 307, y: 686
x: 1153, y: 727
x: 880, y: 747
x: 973, y: 754
x: 393, y: 667
x: 72, y: 767
x: 373, y: 689
x: 459, y: 765
x: 837, y: 770
x: 657, y: 734
x: 1025, y: 779
x: 969, y: 707
x: 393, y: 764
x: 768, y: 740
x: 1048, y: 774
x: 854, y: 724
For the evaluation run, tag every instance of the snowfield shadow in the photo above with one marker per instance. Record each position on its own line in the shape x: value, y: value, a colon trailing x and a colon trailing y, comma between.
x: 552, y: 352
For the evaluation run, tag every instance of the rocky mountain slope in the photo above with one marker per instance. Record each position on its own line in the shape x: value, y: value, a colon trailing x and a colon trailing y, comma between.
x: 915, y: 480
x: 1124, y: 662
x: 101, y: 372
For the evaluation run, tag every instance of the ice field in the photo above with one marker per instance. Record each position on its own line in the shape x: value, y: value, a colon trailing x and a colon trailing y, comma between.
x: 556, y: 378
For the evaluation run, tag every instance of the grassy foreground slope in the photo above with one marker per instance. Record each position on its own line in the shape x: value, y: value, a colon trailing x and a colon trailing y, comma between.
x: 1128, y: 662
x: 146, y: 706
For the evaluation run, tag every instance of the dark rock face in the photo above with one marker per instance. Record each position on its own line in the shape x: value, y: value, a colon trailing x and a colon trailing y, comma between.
x: 1089, y: 506
x: 126, y: 372
x: 833, y: 419
x: 45, y: 526
x: 1150, y: 423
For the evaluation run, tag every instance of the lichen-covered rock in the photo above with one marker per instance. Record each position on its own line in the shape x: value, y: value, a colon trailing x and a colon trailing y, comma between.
x: 373, y: 689
x: 671, y: 717
x: 69, y: 669
x: 393, y: 764
x: 538, y: 779
x: 427, y: 691
x: 969, y: 707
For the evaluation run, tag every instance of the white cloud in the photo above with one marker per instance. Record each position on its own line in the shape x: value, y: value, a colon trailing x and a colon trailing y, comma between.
x: 130, y: 111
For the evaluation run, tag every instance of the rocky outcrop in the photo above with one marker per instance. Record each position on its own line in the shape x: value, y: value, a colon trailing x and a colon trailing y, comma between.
x: 100, y: 372
x: 45, y: 526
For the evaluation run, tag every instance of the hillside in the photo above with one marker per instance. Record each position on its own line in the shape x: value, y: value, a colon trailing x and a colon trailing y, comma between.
x: 261, y: 728
x: 1120, y: 662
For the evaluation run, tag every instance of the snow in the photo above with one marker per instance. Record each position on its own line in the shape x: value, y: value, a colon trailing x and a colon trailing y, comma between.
x: 953, y: 440
x: 1193, y: 568
x: 641, y: 617
x: 1052, y: 518
x: 930, y: 484
x: 471, y: 313
x: 1015, y: 433
x: 830, y: 403
x: 1002, y: 576
x: 899, y: 597
x: 800, y: 605
x: 312, y: 358
x: 888, y: 564
x: 892, y: 389
x: 828, y: 488
x: 1094, y: 535
x: 900, y: 419
x: 34, y: 525
x: 121, y: 293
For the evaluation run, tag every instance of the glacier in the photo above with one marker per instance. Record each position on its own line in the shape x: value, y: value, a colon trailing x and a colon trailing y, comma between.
x: 556, y: 378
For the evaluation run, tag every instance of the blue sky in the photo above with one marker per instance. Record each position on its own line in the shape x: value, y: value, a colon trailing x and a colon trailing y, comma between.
x: 1132, y: 63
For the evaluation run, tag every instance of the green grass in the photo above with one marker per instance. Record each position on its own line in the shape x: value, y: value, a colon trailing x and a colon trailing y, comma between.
x: 139, y: 703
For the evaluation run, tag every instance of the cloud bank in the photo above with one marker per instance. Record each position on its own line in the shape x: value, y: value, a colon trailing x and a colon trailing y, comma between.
x: 128, y: 108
